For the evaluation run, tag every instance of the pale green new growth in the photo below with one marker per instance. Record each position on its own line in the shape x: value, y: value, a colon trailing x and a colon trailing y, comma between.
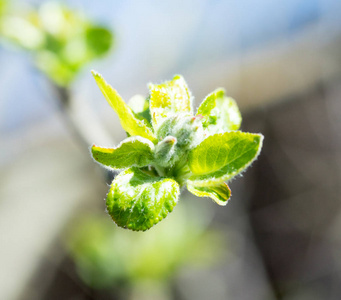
x: 222, y: 156
x: 200, y: 151
x: 129, y: 121
x: 168, y: 99
x: 133, y: 151
x: 220, y: 113
x: 138, y: 201
x: 219, y: 193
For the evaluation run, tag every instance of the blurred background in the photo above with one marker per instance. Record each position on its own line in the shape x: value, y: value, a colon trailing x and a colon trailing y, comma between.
x: 279, y: 236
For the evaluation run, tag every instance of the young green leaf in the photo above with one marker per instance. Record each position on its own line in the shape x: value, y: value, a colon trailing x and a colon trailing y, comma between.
x: 140, y: 106
x: 169, y: 98
x: 133, y: 151
x: 220, y: 193
x: 222, y: 156
x: 129, y: 121
x: 138, y: 201
x: 220, y: 113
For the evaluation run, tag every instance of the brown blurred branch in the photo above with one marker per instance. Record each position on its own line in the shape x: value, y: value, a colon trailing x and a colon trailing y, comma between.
x: 82, y: 123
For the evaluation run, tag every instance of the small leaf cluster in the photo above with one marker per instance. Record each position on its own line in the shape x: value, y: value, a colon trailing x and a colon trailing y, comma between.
x: 170, y: 146
x: 61, y: 40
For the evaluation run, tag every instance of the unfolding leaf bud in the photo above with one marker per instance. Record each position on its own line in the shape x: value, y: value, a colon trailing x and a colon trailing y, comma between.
x: 164, y: 151
x: 186, y: 128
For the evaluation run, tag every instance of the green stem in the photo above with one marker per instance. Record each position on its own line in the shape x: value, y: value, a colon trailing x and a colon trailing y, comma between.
x: 181, y: 171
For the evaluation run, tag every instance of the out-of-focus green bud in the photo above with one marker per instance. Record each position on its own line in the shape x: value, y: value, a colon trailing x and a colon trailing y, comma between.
x: 3, y: 7
x: 61, y: 40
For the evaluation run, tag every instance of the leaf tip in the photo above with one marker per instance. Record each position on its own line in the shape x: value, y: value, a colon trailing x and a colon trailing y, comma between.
x: 220, y: 92
x: 150, y: 86
x: 177, y: 77
x: 96, y: 74
x: 170, y: 140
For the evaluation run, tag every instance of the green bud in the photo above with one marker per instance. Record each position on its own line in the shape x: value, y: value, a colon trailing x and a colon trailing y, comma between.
x: 164, y: 151
x: 186, y: 128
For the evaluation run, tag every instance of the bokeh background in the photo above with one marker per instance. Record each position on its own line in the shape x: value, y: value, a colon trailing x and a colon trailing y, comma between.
x: 280, y: 235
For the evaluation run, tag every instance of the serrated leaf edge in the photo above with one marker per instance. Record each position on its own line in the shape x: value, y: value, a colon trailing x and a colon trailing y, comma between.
x: 215, y: 181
